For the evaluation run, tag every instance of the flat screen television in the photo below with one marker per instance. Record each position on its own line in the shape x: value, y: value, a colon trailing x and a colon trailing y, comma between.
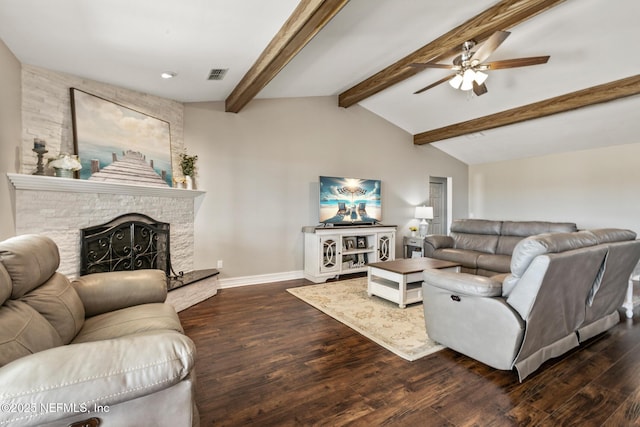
x: 347, y: 201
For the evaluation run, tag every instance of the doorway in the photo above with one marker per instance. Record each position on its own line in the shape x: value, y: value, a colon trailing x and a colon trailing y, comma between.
x: 438, y: 189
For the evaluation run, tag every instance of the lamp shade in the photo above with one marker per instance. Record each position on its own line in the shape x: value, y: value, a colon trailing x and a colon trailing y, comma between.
x: 456, y: 81
x: 424, y: 212
x: 467, y: 79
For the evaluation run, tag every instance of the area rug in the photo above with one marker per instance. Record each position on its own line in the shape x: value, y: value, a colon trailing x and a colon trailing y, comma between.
x: 401, y: 331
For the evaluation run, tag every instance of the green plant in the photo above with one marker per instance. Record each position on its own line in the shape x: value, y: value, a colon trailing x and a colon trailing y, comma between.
x: 187, y: 164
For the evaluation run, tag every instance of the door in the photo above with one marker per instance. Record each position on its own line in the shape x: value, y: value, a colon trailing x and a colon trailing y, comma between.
x: 438, y: 199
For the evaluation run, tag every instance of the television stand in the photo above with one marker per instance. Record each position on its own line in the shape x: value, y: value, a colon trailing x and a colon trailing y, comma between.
x: 332, y: 251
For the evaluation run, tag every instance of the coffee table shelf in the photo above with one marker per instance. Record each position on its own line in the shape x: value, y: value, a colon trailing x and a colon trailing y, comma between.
x: 400, y: 281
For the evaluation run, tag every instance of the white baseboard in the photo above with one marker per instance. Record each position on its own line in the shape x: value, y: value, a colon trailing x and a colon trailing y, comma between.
x: 233, y: 282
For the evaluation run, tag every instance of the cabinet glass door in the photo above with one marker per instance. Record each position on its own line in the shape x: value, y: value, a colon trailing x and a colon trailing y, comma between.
x: 384, y: 248
x: 329, y: 247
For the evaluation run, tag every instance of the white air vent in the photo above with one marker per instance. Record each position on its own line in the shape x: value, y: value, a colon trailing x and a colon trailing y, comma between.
x: 217, y: 73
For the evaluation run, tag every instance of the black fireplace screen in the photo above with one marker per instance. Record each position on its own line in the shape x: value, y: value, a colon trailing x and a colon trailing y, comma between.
x: 129, y: 242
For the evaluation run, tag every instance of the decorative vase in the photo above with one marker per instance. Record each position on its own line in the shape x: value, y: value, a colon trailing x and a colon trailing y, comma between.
x: 189, y: 182
x: 63, y: 173
x: 413, y: 234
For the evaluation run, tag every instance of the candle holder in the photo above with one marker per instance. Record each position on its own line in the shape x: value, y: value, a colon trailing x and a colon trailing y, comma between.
x: 41, y: 151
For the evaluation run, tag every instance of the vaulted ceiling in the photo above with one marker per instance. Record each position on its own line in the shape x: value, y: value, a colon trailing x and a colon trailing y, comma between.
x: 359, y: 51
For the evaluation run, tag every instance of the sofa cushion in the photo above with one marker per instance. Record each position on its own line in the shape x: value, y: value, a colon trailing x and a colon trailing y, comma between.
x: 534, y: 246
x: 506, y: 244
x: 514, y: 231
x: 59, y: 303
x: 105, y: 373
x: 497, y: 263
x: 105, y: 292
x: 24, y: 331
x: 531, y: 228
x: 465, y: 257
x: 5, y: 284
x: 463, y: 283
x: 30, y: 260
x: 129, y: 321
x: 609, y: 235
x: 476, y: 226
x: 476, y: 242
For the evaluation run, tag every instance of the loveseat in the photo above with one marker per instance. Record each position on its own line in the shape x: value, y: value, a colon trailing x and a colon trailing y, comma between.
x: 105, y: 350
x: 483, y: 246
x: 562, y: 289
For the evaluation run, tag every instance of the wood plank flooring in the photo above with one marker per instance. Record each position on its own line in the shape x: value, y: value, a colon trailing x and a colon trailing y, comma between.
x: 266, y: 358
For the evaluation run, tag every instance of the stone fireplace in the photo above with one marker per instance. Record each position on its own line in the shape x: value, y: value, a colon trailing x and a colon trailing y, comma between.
x: 60, y: 207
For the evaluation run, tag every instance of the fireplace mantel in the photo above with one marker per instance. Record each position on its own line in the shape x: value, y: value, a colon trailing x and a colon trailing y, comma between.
x: 50, y: 183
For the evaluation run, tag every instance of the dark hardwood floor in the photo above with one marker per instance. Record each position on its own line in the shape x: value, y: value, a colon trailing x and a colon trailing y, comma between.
x: 266, y: 358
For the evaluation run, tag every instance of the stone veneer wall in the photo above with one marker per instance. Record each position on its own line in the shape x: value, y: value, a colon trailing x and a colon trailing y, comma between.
x: 46, y: 111
x: 46, y: 114
x: 61, y: 215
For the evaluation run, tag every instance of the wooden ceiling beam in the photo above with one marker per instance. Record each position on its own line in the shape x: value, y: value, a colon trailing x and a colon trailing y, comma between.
x: 308, y: 18
x: 502, y: 16
x: 629, y: 86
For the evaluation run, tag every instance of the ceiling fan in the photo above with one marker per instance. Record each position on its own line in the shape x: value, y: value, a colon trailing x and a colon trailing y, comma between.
x: 469, y: 65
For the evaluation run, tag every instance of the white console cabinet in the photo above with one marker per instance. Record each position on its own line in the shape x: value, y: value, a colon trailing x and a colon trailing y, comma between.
x: 332, y: 251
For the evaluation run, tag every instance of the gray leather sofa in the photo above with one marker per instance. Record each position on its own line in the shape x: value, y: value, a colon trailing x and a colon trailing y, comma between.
x: 483, y: 246
x: 105, y: 346
x: 563, y: 289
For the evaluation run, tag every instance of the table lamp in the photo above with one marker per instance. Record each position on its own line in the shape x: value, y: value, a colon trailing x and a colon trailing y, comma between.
x: 424, y: 213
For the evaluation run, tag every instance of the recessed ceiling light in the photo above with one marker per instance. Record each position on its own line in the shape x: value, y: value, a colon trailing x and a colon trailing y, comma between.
x: 168, y: 75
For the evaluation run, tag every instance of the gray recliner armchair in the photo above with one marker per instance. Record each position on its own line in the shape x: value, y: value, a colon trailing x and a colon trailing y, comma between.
x: 563, y: 289
x: 105, y: 347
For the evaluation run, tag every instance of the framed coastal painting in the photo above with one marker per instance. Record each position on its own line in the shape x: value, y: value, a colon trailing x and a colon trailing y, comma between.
x: 117, y: 144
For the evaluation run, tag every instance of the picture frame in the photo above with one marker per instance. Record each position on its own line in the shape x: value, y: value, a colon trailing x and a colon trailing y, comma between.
x: 349, y: 243
x: 362, y: 259
x: 117, y: 143
x: 361, y: 242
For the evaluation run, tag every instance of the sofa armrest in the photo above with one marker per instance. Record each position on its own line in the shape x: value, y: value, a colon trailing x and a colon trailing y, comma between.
x: 54, y: 384
x: 436, y: 241
x: 463, y: 283
x: 105, y: 292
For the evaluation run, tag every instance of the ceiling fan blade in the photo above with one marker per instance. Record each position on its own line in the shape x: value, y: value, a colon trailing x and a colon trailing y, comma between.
x: 489, y: 46
x: 479, y: 89
x: 516, y: 62
x: 432, y: 65
x: 434, y: 84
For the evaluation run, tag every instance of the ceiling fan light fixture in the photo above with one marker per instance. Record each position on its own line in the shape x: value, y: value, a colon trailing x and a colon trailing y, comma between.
x: 467, y: 79
x: 480, y: 77
x: 456, y: 81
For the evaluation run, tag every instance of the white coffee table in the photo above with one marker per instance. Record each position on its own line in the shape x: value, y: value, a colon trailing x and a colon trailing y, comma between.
x: 400, y: 281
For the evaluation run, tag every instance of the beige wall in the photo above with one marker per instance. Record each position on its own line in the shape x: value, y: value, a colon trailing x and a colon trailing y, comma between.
x: 593, y: 188
x: 260, y: 169
x: 10, y: 133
